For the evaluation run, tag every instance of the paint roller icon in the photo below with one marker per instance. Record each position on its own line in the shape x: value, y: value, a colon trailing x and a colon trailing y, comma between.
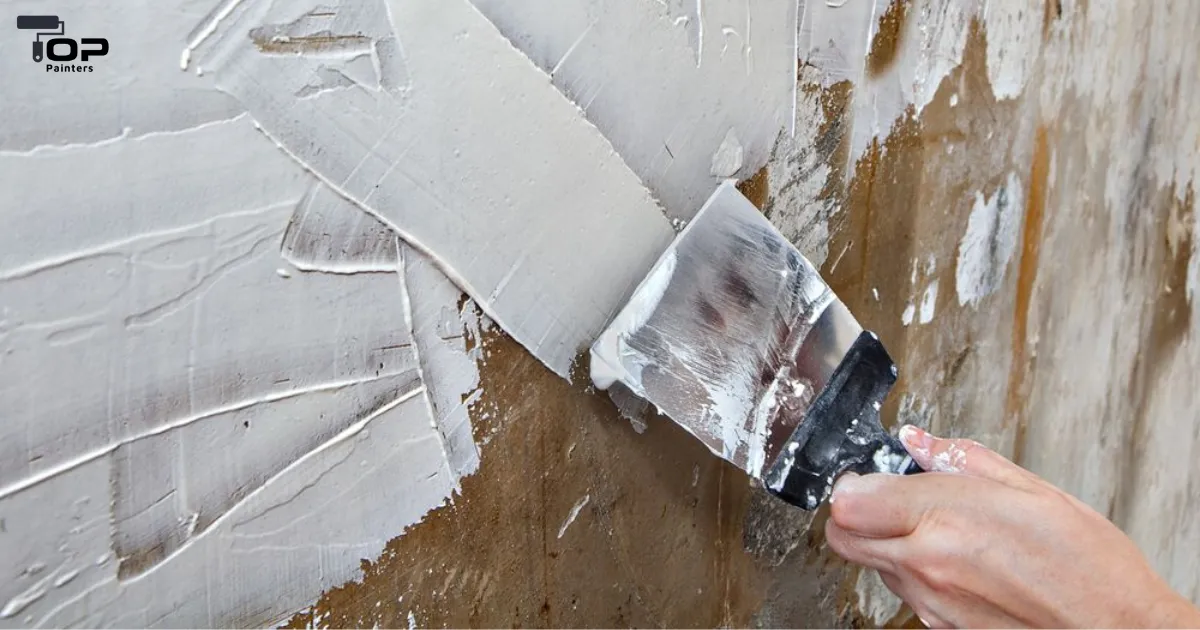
x: 49, y: 23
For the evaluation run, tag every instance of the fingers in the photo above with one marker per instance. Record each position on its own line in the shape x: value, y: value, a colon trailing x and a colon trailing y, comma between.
x: 875, y: 506
x: 875, y: 553
x: 960, y: 456
x: 910, y: 593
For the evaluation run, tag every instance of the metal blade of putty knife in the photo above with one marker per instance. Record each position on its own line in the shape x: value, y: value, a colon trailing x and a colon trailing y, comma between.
x: 734, y: 335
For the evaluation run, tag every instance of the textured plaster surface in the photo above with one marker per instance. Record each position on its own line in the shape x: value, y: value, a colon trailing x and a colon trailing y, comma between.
x: 238, y: 369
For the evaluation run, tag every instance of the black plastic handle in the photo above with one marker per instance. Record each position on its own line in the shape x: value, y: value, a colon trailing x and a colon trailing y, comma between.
x: 841, y: 430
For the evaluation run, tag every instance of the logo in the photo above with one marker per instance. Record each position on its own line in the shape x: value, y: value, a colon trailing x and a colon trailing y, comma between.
x: 58, y: 48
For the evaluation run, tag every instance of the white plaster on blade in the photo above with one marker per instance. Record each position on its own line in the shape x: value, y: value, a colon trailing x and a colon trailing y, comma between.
x: 606, y: 365
x: 648, y: 76
x: 377, y: 149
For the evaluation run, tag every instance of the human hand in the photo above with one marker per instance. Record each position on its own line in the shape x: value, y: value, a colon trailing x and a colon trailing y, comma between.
x: 980, y: 541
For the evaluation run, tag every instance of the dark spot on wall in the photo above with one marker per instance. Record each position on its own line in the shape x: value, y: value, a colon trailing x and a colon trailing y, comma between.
x: 756, y: 188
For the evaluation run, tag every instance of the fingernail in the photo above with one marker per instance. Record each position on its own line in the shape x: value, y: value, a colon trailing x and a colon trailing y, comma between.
x: 915, y: 438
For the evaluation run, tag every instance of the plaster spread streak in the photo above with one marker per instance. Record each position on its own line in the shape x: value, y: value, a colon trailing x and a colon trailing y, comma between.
x: 196, y: 373
x: 667, y: 82
x: 523, y: 235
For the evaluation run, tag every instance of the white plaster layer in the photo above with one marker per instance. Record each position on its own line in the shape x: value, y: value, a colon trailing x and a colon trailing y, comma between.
x: 666, y: 81
x: 128, y: 92
x: 606, y: 358
x: 447, y: 330
x: 1014, y: 40
x: 834, y: 37
x: 993, y: 230
x: 455, y: 162
x: 329, y: 233
x: 183, y: 424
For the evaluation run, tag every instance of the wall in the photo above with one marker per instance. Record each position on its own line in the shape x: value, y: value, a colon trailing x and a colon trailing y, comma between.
x: 293, y: 294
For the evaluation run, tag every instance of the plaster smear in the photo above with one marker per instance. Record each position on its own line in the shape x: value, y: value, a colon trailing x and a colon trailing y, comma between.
x: 126, y: 94
x: 797, y: 175
x: 993, y: 230
x: 932, y: 40
x: 875, y: 599
x: 668, y: 81
x: 218, y: 410
x: 454, y: 163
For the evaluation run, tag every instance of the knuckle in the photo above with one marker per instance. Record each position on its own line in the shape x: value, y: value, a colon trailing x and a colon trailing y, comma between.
x: 938, y: 540
x: 937, y: 574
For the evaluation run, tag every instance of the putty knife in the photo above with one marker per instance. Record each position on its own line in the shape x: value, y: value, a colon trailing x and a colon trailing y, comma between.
x: 734, y: 335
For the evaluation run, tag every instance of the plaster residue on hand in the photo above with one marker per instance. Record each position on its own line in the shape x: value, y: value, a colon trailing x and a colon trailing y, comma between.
x: 989, y: 242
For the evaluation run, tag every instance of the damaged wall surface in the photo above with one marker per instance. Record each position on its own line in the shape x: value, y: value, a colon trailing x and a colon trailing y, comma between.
x: 293, y: 293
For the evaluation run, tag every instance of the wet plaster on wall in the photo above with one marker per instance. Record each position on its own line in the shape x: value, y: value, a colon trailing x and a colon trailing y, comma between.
x: 218, y: 421
x: 496, y: 225
x: 916, y: 176
x: 127, y: 95
x: 677, y: 86
x: 910, y: 196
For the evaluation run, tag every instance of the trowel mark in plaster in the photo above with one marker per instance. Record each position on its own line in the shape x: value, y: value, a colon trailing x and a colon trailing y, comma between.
x: 627, y: 65
x: 377, y: 150
x: 330, y: 234
x: 180, y: 406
